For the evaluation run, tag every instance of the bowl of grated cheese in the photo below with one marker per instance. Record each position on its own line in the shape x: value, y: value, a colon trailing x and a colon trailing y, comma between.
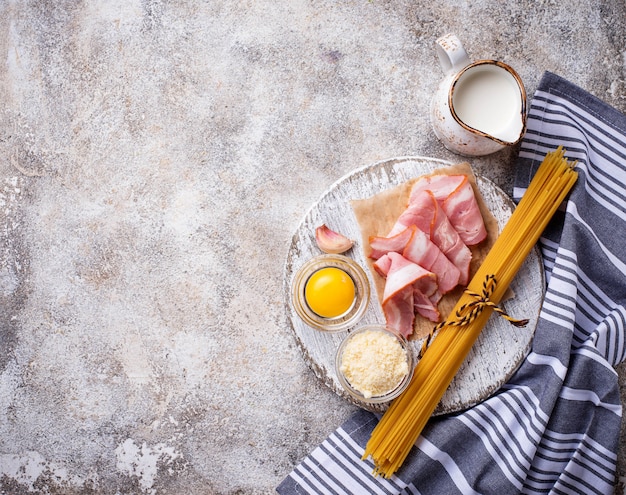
x: 374, y: 364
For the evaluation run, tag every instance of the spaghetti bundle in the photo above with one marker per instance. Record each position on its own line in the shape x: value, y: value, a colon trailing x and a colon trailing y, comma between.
x: 403, y: 422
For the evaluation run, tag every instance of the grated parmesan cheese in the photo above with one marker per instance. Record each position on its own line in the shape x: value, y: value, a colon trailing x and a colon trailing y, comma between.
x: 374, y: 363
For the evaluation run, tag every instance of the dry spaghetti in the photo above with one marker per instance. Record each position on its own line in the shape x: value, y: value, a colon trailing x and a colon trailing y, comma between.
x: 403, y: 422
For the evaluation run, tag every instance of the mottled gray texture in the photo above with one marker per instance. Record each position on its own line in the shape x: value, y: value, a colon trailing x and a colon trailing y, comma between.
x: 155, y: 159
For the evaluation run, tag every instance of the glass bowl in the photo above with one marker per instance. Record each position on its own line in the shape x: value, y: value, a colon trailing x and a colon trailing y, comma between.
x: 354, y: 312
x: 374, y: 364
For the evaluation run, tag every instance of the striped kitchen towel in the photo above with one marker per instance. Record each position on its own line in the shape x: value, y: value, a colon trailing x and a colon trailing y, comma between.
x: 554, y: 427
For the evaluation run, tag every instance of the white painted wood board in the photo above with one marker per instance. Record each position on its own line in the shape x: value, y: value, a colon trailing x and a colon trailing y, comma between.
x: 500, y: 348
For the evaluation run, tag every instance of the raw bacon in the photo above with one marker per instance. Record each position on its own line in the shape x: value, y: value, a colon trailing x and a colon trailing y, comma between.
x: 406, y: 282
x: 455, y: 195
x: 440, y: 185
x: 403, y: 272
x: 433, y: 221
x: 464, y: 214
x: 425, y: 306
x: 424, y: 252
x: 412, y: 215
x: 400, y: 312
x: 382, y: 265
x: 383, y: 245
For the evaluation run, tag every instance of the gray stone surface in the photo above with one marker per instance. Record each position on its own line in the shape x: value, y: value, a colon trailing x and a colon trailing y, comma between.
x: 155, y: 159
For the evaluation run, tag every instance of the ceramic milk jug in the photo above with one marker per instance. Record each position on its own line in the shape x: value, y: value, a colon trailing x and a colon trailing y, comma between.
x: 479, y: 107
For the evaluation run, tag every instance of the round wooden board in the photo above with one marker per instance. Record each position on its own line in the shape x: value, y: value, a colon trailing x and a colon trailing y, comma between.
x: 500, y: 348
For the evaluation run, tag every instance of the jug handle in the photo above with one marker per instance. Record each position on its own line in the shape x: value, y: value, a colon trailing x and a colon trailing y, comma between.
x: 452, y: 55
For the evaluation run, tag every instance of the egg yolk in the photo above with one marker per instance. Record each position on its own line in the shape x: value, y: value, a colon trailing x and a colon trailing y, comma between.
x: 329, y: 292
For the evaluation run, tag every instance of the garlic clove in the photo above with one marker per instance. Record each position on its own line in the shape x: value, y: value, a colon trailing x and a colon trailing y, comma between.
x: 332, y: 242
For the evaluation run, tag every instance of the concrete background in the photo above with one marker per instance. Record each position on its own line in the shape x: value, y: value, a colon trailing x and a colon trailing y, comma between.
x: 155, y: 159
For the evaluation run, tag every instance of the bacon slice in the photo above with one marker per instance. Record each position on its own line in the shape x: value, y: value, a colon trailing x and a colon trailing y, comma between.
x: 383, y: 245
x: 405, y: 279
x: 412, y: 215
x: 424, y: 252
x: 440, y: 185
x: 433, y: 221
x: 382, y: 265
x: 455, y: 195
x: 399, y: 311
x: 425, y: 305
x: 462, y: 209
x: 403, y: 272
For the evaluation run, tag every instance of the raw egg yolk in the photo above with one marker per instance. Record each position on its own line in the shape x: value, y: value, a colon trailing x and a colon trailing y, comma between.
x: 329, y: 292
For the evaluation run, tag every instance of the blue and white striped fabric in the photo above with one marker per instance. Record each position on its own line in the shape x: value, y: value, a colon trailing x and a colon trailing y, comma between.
x: 554, y: 427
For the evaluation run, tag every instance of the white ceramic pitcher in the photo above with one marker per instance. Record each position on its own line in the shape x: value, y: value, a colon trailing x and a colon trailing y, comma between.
x: 480, y: 107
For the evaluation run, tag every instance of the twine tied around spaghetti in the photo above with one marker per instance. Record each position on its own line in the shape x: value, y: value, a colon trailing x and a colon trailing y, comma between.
x: 467, y: 313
